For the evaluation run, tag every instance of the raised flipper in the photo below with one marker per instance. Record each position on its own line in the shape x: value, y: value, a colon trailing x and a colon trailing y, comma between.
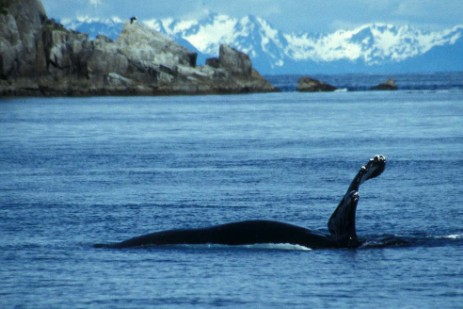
x: 342, y: 222
x: 374, y: 167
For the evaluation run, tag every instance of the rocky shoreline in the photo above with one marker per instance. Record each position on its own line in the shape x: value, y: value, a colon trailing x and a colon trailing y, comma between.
x: 39, y: 57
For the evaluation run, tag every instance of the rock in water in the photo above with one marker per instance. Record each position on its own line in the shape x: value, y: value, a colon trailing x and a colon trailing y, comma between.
x: 389, y: 84
x: 308, y: 84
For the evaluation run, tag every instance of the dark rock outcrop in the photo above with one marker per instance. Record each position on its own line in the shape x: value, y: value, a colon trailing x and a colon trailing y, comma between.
x: 234, y: 61
x: 308, y: 84
x: 38, y: 56
x: 389, y: 84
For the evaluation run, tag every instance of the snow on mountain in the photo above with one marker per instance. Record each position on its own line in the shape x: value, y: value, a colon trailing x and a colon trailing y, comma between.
x: 373, y: 44
x: 250, y: 34
x: 368, y: 48
x: 110, y: 27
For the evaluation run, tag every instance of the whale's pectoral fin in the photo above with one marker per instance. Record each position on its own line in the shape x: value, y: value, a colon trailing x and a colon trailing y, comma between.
x: 374, y: 167
x: 342, y: 222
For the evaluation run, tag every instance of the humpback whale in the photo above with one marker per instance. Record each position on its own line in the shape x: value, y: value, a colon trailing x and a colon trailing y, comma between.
x: 341, y: 226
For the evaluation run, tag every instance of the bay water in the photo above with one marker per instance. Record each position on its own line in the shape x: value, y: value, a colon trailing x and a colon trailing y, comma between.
x: 80, y: 171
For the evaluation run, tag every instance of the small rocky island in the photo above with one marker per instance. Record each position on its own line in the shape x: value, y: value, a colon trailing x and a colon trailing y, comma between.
x: 38, y: 56
x: 308, y: 84
x: 389, y: 84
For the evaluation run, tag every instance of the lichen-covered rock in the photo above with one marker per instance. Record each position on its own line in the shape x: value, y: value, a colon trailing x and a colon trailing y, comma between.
x: 234, y: 61
x: 19, y: 35
x: 10, y: 46
x: 213, y: 62
x: 308, y: 84
x: 105, y: 58
x: 150, y: 47
x: 64, y: 51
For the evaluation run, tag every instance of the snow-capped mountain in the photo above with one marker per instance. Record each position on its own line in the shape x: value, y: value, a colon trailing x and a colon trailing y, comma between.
x: 379, y: 48
x: 110, y: 27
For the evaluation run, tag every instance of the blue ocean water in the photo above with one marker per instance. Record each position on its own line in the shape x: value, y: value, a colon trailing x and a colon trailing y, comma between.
x: 80, y: 171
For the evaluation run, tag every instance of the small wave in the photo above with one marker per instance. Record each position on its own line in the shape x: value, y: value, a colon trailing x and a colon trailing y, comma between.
x: 270, y: 246
x: 412, y: 240
x: 277, y: 247
x: 341, y: 90
x: 386, y: 241
x: 452, y: 236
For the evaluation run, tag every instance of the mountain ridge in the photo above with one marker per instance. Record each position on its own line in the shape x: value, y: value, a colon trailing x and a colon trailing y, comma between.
x: 370, y: 48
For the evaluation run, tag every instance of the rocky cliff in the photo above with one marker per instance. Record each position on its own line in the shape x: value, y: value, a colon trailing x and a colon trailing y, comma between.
x: 38, y: 56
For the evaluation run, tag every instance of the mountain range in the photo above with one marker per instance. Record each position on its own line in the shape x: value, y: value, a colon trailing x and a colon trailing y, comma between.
x: 370, y: 48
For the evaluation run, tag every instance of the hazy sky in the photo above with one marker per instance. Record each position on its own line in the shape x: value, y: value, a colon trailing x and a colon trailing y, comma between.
x: 287, y: 15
